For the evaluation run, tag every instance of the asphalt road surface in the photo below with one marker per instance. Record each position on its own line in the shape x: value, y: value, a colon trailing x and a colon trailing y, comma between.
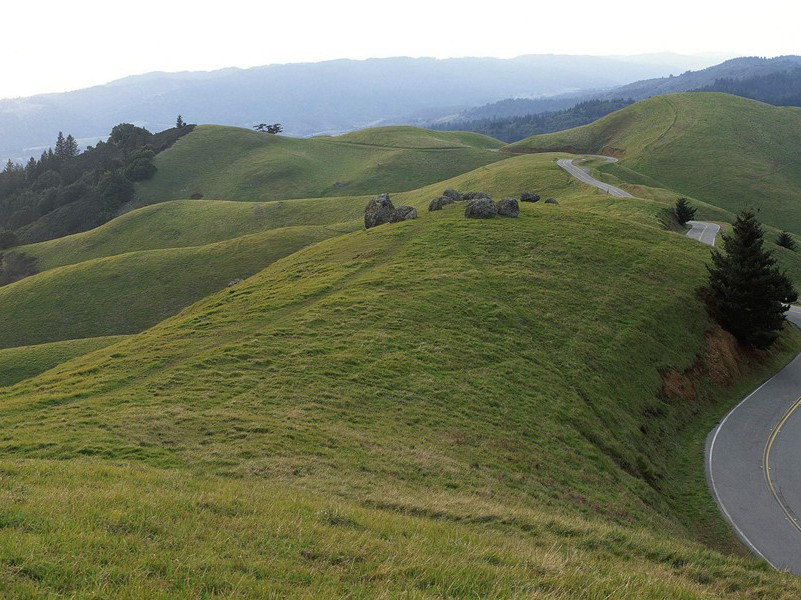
x: 753, y: 466
x: 703, y: 232
x: 585, y: 177
x: 753, y: 455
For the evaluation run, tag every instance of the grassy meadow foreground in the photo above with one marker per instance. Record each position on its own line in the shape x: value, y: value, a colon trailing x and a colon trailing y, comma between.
x: 441, y: 407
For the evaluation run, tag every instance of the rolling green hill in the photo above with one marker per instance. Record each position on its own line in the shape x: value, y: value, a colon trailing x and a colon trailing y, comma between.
x: 129, y: 292
x: 413, y: 137
x: 144, y: 266
x: 441, y: 407
x: 729, y: 151
x: 24, y: 362
x: 182, y: 223
x: 226, y: 163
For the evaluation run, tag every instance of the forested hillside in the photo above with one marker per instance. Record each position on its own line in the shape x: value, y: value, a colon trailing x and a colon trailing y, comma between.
x: 515, y: 128
x: 66, y: 191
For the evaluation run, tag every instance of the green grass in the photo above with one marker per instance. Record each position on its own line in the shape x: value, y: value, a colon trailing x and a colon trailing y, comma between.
x: 24, y: 362
x: 441, y: 407
x: 413, y: 137
x: 730, y: 152
x: 129, y: 292
x: 183, y: 223
x: 226, y: 163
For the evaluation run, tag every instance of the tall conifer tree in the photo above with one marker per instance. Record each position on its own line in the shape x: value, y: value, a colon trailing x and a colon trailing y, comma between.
x: 748, y: 295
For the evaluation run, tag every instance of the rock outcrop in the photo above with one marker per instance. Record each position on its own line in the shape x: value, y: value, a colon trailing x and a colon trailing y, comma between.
x: 378, y: 211
x: 480, y: 208
x: 508, y: 207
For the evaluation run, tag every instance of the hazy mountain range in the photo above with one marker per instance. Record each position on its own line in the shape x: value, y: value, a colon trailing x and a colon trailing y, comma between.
x: 314, y: 98
x: 735, y: 69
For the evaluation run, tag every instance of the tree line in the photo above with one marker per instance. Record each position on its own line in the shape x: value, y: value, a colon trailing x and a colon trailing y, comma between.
x: 780, y: 89
x: 515, y: 128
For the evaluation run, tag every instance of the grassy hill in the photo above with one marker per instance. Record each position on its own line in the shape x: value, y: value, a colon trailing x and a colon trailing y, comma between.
x: 182, y: 223
x: 129, y: 292
x: 227, y: 163
x: 23, y: 362
x: 441, y: 407
x: 144, y: 266
x: 725, y: 150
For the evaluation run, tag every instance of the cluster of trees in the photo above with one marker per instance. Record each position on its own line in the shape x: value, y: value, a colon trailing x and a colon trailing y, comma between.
x: 780, y: 89
x: 64, y: 190
x: 515, y: 128
x: 273, y: 129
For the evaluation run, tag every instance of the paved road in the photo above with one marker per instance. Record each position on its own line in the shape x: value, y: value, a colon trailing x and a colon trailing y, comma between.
x: 699, y: 230
x: 585, y: 177
x: 703, y: 232
x: 753, y: 456
x: 753, y: 467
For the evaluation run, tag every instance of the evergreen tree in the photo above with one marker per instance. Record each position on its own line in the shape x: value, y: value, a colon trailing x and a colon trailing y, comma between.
x: 60, y: 145
x: 785, y: 240
x: 684, y: 211
x: 70, y: 147
x: 747, y: 293
x: 179, y: 122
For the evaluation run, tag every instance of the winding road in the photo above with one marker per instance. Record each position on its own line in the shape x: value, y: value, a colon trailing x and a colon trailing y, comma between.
x: 753, y: 455
x: 585, y: 177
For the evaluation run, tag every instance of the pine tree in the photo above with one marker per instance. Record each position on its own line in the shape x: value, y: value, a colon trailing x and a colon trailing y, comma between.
x: 179, y: 122
x: 748, y: 295
x: 785, y: 240
x: 684, y: 212
x: 70, y: 147
x: 60, y: 145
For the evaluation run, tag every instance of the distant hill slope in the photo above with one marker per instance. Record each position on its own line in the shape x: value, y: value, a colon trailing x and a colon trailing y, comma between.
x: 780, y: 89
x: 725, y: 150
x: 513, y: 129
x: 227, y: 163
x: 438, y: 408
x: 24, y: 362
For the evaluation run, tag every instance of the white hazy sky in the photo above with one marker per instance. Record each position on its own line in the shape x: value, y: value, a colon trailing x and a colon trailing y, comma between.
x: 56, y: 45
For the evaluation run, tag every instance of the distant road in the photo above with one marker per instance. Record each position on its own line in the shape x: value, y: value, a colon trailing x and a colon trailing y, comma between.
x: 585, y: 177
x: 703, y: 231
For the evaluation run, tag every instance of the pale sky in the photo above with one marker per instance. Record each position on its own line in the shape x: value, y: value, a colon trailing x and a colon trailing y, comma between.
x: 52, y: 45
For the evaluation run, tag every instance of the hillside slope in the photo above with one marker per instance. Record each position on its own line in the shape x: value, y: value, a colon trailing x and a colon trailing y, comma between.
x: 129, y: 292
x: 729, y: 151
x: 432, y: 408
x: 227, y: 163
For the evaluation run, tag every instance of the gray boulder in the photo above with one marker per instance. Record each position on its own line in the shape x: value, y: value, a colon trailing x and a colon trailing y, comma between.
x: 438, y: 203
x: 403, y: 213
x: 551, y: 201
x: 452, y: 194
x: 475, y: 195
x: 480, y: 208
x: 508, y: 207
x: 529, y: 197
x: 378, y: 211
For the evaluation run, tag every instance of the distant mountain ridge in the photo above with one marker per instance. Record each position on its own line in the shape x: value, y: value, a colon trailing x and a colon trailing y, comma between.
x: 735, y: 69
x: 311, y: 98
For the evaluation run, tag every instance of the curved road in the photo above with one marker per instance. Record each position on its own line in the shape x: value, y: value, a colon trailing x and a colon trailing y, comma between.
x: 585, y: 177
x: 753, y: 455
x: 701, y: 231
x: 753, y: 466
